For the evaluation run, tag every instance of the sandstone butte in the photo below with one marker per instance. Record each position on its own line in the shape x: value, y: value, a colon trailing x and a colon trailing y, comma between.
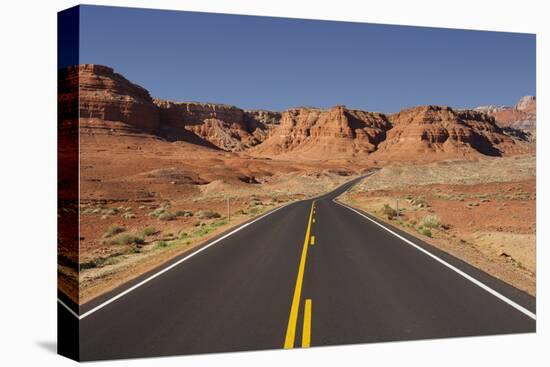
x: 111, y: 104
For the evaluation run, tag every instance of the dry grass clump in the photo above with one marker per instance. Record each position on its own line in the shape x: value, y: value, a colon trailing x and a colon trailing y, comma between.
x: 208, y: 214
x: 113, y: 230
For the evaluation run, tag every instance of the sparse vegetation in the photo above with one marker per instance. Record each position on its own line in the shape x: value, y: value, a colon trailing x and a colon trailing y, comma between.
x: 202, y: 231
x: 430, y: 221
x: 166, y: 216
x: 128, y: 215
x: 157, y: 212
x: 127, y: 239
x: 162, y: 244
x: 426, y: 232
x: 219, y: 223
x: 255, y: 210
x: 113, y: 230
x: 208, y: 214
x: 388, y: 212
x: 149, y: 231
x: 104, y: 261
x: 184, y: 213
x: 418, y: 202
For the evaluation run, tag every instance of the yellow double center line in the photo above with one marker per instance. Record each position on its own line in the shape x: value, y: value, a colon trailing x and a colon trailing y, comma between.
x: 291, y: 328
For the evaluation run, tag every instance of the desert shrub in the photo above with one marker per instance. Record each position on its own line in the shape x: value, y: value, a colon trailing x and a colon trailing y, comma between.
x: 183, y: 235
x: 128, y: 215
x: 419, y: 202
x: 184, y: 213
x: 426, y: 232
x: 127, y: 239
x: 388, y: 211
x: 167, y: 216
x: 113, y: 230
x: 157, y: 212
x: 219, y: 223
x: 202, y: 231
x: 255, y: 210
x: 111, y: 211
x: 149, y: 231
x: 162, y: 244
x: 430, y: 221
x: 208, y: 214
x: 255, y: 201
x: 104, y: 261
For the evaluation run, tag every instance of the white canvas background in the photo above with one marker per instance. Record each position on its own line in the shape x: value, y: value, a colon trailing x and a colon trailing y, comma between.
x: 28, y: 182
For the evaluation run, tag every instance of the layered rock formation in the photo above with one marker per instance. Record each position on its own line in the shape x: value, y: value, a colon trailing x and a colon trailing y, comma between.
x: 110, y: 104
x: 220, y: 125
x: 223, y: 126
x: 429, y: 132
x: 108, y: 96
x: 334, y: 133
x: 261, y: 122
x: 522, y: 116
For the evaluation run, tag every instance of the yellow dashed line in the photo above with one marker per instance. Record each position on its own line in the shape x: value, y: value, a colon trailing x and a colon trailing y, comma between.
x: 306, y: 333
x: 292, y: 319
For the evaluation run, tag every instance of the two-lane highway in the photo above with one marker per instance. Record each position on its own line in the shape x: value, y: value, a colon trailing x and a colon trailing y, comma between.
x: 311, y: 273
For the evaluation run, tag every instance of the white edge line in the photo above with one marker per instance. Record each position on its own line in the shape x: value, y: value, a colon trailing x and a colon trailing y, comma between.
x: 134, y: 287
x: 68, y: 308
x: 455, y: 269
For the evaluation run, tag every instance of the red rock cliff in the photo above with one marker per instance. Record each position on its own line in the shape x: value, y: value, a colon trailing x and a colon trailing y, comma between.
x: 334, y: 133
x: 224, y: 126
x: 108, y: 96
x: 429, y: 132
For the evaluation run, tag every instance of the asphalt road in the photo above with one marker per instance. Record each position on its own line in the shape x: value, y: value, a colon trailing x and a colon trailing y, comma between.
x: 312, y: 273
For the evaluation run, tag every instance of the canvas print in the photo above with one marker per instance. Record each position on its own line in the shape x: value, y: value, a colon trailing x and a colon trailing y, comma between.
x: 237, y: 183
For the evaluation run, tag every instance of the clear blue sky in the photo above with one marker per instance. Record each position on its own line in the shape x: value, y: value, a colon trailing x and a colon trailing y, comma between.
x: 277, y: 63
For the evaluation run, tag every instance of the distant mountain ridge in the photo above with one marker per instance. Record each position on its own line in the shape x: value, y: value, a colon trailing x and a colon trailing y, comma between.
x: 111, y: 104
x: 521, y: 116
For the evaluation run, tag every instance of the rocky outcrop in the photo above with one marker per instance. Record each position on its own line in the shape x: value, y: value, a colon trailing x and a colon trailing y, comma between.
x: 334, y: 133
x: 522, y: 116
x: 111, y: 104
x: 527, y: 104
x: 261, y: 122
x: 223, y: 126
x: 220, y: 125
x: 429, y: 132
x: 108, y: 96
